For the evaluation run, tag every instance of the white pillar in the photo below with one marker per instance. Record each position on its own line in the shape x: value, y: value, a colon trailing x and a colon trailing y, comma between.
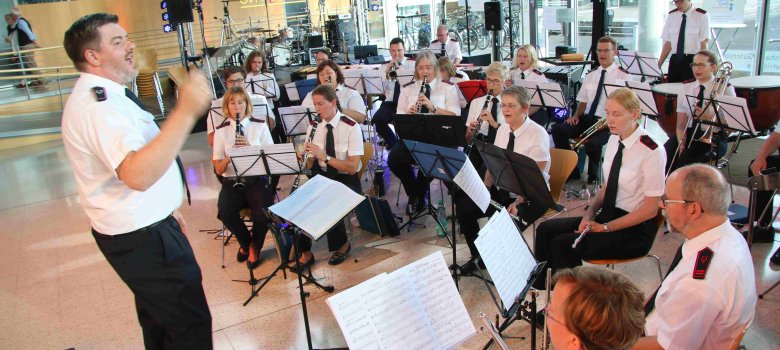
x: 652, y: 16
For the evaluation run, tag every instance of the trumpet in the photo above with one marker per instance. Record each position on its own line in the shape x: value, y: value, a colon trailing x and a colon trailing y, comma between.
x: 479, y: 123
x: 599, y: 125
x: 422, y: 92
x: 305, y: 158
x: 393, y: 74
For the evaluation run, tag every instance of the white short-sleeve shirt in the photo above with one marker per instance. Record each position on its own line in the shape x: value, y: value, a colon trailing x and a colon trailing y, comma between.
x: 255, y: 132
x: 531, y: 140
x: 706, y: 313
x: 591, y: 83
x: 475, y: 109
x: 641, y: 169
x: 697, y: 29
x: 530, y: 74
x: 98, y: 135
x: 451, y: 49
x: 348, y: 99
x: 692, y: 89
x: 443, y: 96
x: 348, y: 139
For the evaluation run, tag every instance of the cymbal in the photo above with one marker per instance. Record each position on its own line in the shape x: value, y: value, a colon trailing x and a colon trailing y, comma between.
x: 253, y: 30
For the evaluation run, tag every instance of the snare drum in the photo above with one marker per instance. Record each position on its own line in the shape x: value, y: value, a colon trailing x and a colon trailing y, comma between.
x: 281, y: 54
x: 763, y: 98
x: 665, y: 96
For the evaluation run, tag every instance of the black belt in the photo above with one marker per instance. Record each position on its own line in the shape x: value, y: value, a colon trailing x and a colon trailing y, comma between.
x: 132, y: 233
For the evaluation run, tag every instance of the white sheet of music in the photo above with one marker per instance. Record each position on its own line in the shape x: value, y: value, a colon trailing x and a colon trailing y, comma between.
x: 506, y: 255
x: 292, y: 92
x: 281, y: 160
x: 642, y: 90
x: 551, y: 93
x: 469, y: 181
x: 373, y: 79
x: 404, y: 75
x: 294, y: 119
x: 319, y: 192
x: 414, y: 307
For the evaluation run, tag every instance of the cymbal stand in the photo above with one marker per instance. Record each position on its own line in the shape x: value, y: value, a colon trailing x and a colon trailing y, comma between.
x: 205, y: 56
x: 227, y: 36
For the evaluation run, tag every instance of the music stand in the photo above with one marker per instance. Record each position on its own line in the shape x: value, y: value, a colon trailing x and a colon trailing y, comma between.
x: 647, y: 105
x: 256, y: 88
x: 731, y: 113
x: 544, y: 95
x: 215, y: 113
x: 472, y: 89
x: 296, y: 120
x: 642, y: 64
x: 297, y: 90
x: 266, y: 160
x: 367, y: 82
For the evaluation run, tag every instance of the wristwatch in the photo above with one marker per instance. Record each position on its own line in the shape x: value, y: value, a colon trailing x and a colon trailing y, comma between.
x: 434, y: 110
x: 327, y: 158
x: 606, y: 228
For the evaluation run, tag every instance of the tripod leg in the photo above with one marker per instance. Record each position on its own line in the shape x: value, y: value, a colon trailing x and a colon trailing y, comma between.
x: 300, y: 288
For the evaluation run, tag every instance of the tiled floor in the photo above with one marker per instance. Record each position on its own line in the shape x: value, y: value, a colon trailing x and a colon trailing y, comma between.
x: 57, y: 291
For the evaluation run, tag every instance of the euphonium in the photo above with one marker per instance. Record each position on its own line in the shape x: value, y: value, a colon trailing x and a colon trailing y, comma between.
x: 479, y: 123
x: 722, y: 77
x: 600, y: 124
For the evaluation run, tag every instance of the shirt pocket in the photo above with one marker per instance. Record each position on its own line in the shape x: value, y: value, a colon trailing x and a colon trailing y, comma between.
x: 629, y: 179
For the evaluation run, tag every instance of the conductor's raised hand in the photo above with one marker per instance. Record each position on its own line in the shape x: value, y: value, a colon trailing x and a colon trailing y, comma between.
x: 194, y: 94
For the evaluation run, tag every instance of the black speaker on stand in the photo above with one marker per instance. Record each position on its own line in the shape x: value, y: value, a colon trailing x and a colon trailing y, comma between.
x: 180, y: 11
x: 341, y: 34
x: 493, y: 21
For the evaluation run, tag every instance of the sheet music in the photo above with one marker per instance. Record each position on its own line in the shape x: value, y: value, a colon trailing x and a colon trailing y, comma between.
x: 551, y: 93
x: 281, y: 159
x: 259, y: 107
x: 469, y: 181
x: 732, y: 110
x: 319, y: 192
x: 373, y: 79
x: 292, y: 92
x: 404, y: 75
x: 414, y: 307
x: 506, y: 255
x: 294, y: 119
x: 639, y: 63
x: 642, y: 90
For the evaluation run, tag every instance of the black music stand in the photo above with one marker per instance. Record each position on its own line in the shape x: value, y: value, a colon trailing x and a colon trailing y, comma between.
x: 644, y: 65
x: 256, y: 88
x: 731, y: 113
x: 643, y: 91
x: 296, y: 120
x: 216, y: 113
x: 545, y: 96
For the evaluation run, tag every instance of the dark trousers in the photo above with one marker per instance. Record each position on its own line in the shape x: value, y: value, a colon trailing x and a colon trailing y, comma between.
x: 562, y: 132
x: 158, y: 265
x: 680, y: 68
x: 400, y: 162
x: 256, y: 196
x: 468, y: 213
x: 337, y: 236
x: 763, y: 198
x: 555, y: 237
x: 698, y: 152
x: 541, y: 117
x: 381, y: 120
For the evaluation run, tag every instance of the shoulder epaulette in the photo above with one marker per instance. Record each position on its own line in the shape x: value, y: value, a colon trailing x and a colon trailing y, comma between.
x: 623, y: 70
x: 648, y: 141
x: 453, y: 39
x: 224, y: 124
x: 255, y: 120
x: 100, y: 93
x: 703, y: 259
x: 537, y: 71
x: 689, y: 81
x: 409, y: 83
x: 347, y: 120
x: 349, y: 87
x: 435, y: 41
x: 459, y: 75
x: 448, y: 82
x: 701, y: 11
x: 672, y: 11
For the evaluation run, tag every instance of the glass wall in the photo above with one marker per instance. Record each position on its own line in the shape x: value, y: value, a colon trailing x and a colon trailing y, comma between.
x: 770, y: 59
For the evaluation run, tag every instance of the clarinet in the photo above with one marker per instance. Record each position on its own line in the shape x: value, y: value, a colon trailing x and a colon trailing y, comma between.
x: 240, y: 141
x: 479, y: 124
x: 305, y: 158
x: 422, y: 92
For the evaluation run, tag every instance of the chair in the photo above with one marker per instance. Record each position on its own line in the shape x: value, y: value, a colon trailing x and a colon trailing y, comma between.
x: 147, y: 83
x: 738, y: 339
x: 610, y: 263
x: 178, y: 75
x: 562, y: 163
x: 368, y: 152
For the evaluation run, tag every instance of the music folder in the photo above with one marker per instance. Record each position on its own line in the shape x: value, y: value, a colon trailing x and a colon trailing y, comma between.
x: 273, y: 159
x: 442, y: 130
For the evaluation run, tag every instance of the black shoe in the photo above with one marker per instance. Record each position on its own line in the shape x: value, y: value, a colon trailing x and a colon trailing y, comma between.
x: 411, y: 206
x: 574, y: 176
x: 470, y: 266
x: 422, y: 203
x: 338, y: 257
x: 254, y: 265
x: 763, y: 234
x: 302, y: 266
x: 775, y: 259
x: 241, y: 256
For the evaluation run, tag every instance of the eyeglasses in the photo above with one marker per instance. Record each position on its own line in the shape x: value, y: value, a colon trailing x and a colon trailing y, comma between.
x: 509, y: 106
x: 700, y: 65
x: 494, y: 81
x: 546, y: 313
x: 234, y: 82
x: 678, y: 201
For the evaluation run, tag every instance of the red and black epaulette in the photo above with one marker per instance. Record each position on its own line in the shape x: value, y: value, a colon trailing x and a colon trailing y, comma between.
x: 648, y: 141
x: 347, y: 120
x: 703, y: 259
x: 349, y: 87
x: 459, y: 75
x: 537, y: 71
x: 689, y: 81
x: 448, y: 82
x: 255, y: 120
x: 701, y: 11
x: 453, y: 39
x: 224, y: 124
x: 409, y: 83
x: 672, y: 11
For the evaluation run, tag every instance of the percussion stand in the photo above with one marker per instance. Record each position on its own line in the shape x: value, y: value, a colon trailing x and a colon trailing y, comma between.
x: 206, y: 57
x: 227, y: 35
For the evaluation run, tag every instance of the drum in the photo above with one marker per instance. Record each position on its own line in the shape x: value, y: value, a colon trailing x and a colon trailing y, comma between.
x: 665, y: 96
x: 281, y: 54
x: 763, y: 98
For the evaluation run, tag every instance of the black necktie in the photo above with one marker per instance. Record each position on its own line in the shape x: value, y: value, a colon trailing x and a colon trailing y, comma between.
x: 424, y: 109
x: 700, y: 97
x: 491, y: 136
x: 681, y: 38
x: 240, y: 129
x: 330, y: 149
x: 522, y: 75
x: 510, y: 145
x: 651, y: 302
x: 137, y: 101
x: 610, y: 196
x: 594, y: 105
x: 442, y: 50
x: 396, y: 91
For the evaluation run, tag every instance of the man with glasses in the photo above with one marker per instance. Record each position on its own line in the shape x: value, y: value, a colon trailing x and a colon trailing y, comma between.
x: 445, y: 46
x: 593, y: 308
x: 686, y: 31
x: 709, y: 294
x: 704, y: 65
x: 591, y: 98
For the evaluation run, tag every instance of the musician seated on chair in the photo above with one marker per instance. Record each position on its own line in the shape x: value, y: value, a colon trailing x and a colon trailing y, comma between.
x: 335, y: 152
x: 233, y: 76
x: 705, y: 64
x: 247, y: 191
x: 594, y: 308
x: 490, y: 115
x: 392, y: 87
x: 449, y: 73
x: 621, y: 218
x: 260, y: 80
x: 322, y: 56
x: 521, y: 135
x: 766, y: 158
x: 526, y: 67
x: 351, y: 103
x: 591, y: 107
x: 709, y: 294
x: 436, y: 97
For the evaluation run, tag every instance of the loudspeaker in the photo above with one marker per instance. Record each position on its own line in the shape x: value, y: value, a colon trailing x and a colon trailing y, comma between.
x: 340, y: 32
x: 179, y: 11
x: 493, y: 17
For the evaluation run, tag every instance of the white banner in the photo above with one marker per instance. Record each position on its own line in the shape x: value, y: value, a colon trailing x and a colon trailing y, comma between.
x: 724, y: 12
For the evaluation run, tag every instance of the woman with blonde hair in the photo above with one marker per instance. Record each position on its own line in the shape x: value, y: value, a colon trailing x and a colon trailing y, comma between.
x: 526, y: 67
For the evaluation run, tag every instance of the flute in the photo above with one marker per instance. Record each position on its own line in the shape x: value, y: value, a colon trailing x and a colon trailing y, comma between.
x: 584, y: 232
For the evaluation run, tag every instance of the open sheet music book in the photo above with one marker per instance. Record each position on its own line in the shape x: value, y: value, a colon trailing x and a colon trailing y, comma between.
x: 296, y: 119
x: 319, y: 192
x: 507, y: 257
x: 371, y: 79
x: 247, y: 161
x: 414, y: 307
x: 469, y: 181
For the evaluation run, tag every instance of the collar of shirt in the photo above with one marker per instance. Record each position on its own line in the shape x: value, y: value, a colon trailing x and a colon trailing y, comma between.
x: 689, y: 12
x: 335, y: 120
x: 707, y: 85
x: 432, y: 83
x: 522, y: 129
x: 694, y: 245
x: 631, y: 140
x: 108, y: 84
x: 528, y: 72
x: 609, y: 69
x: 340, y: 87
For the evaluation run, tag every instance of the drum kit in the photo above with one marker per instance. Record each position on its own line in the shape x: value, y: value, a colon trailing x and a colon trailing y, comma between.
x: 285, y: 46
